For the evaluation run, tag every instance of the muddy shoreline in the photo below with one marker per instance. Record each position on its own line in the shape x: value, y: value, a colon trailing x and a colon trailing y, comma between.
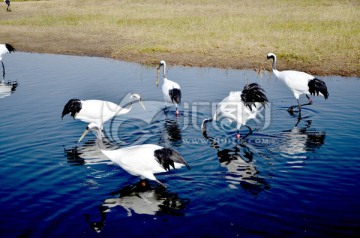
x: 193, y: 60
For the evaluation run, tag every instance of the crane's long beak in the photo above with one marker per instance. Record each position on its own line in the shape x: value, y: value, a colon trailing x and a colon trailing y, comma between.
x: 83, y: 135
x: 142, y: 104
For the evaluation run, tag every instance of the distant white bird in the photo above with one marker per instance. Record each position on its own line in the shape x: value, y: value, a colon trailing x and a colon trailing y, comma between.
x: 141, y: 160
x: 300, y: 83
x: 240, y: 107
x: 8, y: 5
x: 97, y: 111
x: 5, y: 48
x: 171, y: 90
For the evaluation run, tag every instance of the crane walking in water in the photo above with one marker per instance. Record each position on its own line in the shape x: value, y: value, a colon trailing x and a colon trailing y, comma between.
x: 170, y: 89
x: 141, y: 160
x: 300, y: 83
x: 97, y: 111
x: 4, y: 49
x: 240, y: 107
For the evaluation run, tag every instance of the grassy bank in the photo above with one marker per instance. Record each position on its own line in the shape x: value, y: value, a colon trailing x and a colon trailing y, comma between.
x: 318, y: 36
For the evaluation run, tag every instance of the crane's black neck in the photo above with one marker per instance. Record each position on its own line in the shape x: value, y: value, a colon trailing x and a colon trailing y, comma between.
x: 273, y: 57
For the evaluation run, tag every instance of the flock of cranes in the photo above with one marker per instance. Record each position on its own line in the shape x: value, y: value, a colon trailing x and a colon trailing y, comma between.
x: 146, y: 160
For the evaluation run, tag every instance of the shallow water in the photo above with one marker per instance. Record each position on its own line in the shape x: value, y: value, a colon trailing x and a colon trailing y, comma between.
x: 290, y: 178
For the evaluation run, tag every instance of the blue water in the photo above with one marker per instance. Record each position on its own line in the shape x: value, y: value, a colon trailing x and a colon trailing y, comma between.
x: 291, y: 178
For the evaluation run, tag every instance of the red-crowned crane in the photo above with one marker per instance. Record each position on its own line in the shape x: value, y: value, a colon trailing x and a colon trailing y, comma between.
x: 300, y: 83
x: 97, y: 111
x: 4, y: 49
x: 170, y: 89
x: 240, y: 107
x: 141, y: 160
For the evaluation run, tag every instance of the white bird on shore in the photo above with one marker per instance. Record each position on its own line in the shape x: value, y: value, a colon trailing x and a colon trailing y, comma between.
x: 97, y: 111
x: 240, y: 107
x: 170, y: 89
x: 141, y: 160
x: 4, y: 49
x: 8, y: 5
x: 300, y: 83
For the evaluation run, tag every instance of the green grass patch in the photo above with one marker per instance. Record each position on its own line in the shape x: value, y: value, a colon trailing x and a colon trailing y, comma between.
x: 298, y: 31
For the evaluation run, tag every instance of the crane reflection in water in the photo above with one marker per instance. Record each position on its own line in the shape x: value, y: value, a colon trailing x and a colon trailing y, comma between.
x: 239, y: 162
x: 7, y: 88
x: 86, y: 154
x: 139, y: 199
x: 299, y: 140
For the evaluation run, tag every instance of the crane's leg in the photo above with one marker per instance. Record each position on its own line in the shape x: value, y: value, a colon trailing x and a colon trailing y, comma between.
x: 249, y: 133
x: 291, y: 109
x: 177, y: 111
x: 143, y: 183
x: 305, y: 104
x: 160, y: 183
x: 3, y: 66
x: 309, y: 99
x: 298, y: 120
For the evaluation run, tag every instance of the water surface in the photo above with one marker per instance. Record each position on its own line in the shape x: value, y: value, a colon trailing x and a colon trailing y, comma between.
x: 292, y: 177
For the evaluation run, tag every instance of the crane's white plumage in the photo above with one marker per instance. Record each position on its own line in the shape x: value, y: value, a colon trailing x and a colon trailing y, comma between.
x: 170, y: 89
x: 233, y: 109
x: 240, y: 107
x: 97, y: 111
x: 142, y: 160
x: 4, y: 49
x: 300, y: 83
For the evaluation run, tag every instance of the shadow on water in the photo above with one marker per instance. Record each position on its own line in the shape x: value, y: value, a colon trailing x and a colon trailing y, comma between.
x: 140, y: 198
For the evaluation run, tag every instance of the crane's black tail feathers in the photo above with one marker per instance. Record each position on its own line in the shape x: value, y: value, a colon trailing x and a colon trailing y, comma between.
x: 167, y: 157
x: 9, y: 47
x: 317, y: 86
x: 253, y: 93
x: 73, y: 106
x: 175, y: 95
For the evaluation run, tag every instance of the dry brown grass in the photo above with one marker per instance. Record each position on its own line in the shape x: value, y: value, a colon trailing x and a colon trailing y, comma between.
x: 318, y: 36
